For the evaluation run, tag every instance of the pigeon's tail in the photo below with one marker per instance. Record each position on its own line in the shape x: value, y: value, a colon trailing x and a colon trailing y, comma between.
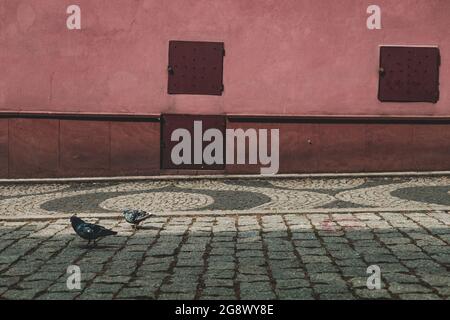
x: 148, y: 215
x: 106, y: 232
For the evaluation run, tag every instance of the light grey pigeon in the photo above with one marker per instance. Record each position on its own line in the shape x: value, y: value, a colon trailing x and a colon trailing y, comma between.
x: 135, y: 217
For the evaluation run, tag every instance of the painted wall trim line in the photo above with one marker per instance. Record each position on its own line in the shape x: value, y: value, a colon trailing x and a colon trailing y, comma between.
x: 81, y: 116
x: 336, y: 119
x: 262, y: 118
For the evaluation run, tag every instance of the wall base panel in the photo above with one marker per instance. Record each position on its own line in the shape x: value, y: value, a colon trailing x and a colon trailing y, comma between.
x: 42, y: 147
x: 47, y: 148
x: 368, y: 146
x: 33, y: 148
x: 135, y: 147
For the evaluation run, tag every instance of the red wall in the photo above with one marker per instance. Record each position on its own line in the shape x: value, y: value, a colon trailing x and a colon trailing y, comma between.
x: 283, y: 57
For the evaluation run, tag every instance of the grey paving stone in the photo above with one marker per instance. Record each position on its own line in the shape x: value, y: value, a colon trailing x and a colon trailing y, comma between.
x: 317, y: 278
x: 294, y: 273
x: 36, y: 285
x: 307, y: 243
x: 436, y: 280
x: 423, y: 264
x: 218, y: 282
x: 417, y: 296
x: 219, y: 273
x: 399, y: 288
x: 295, y: 294
x: 252, y: 270
x: 311, y: 251
x: 292, y: 284
x: 262, y: 295
x: 218, y: 297
x: 103, y: 288
x: 330, y: 288
x: 290, y: 263
x: 219, y: 291
x: 137, y: 293
x: 14, y: 294
x: 147, y: 283
x: 358, y: 282
x: 320, y: 267
x: 92, y: 295
x: 58, y: 296
x: 154, y: 267
x: 177, y: 296
x: 373, y: 294
x: 315, y: 259
x: 8, y: 281
x: 277, y: 255
x: 255, y: 287
x: 190, y: 262
x: 442, y: 258
x: 381, y: 258
x: 445, y: 291
x: 350, y: 263
x: 336, y: 296
x: 401, y: 278
x: 245, y: 278
x: 178, y: 287
x: 392, y: 268
x: 303, y: 235
x: 411, y: 255
x: 345, y: 254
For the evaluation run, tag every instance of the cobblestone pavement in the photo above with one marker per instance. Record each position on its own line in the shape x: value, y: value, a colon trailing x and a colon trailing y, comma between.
x: 219, y: 253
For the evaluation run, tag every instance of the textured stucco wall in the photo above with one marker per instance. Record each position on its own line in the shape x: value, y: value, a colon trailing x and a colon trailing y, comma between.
x: 283, y: 56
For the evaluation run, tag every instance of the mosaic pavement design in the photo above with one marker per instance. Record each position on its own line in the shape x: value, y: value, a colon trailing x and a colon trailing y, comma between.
x: 216, y: 196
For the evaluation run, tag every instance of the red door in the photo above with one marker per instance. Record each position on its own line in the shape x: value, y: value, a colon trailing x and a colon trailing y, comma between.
x: 190, y: 136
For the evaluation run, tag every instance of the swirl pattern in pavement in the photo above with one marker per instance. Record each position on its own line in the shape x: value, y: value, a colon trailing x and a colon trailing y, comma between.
x: 161, y: 201
x: 252, y: 195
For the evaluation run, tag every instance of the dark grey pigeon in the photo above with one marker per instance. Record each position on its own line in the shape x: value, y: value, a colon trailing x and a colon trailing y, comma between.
x: 135, y: 217
x: 89, y: 231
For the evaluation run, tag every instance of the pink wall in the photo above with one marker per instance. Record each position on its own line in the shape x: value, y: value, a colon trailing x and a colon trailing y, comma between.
x: 282, y: 56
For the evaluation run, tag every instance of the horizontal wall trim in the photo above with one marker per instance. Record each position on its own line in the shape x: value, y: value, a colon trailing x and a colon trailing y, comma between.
x: 338, y: 119
x: 259, y: 118
x: 82, y: 116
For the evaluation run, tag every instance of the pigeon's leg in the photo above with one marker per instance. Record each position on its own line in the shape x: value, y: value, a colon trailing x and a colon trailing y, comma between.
x: 89, y: 242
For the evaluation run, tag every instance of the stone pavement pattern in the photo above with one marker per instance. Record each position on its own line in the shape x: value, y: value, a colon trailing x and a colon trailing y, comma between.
x: 279, y: 256
x: 251, y: 196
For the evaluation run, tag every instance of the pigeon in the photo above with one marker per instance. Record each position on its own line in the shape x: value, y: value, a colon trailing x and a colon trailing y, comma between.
x: 89, y: 231
x: 135, y: 216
